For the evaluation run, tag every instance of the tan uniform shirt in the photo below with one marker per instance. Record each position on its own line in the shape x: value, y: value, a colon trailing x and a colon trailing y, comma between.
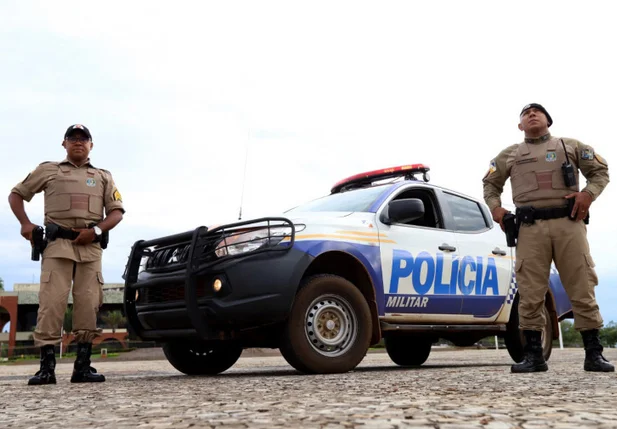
x: 74, y: 197
x: 534, y: 169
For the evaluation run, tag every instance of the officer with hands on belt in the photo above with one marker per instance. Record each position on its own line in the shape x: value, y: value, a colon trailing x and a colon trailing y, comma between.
x: 551, y: 218
x: 77, y: 196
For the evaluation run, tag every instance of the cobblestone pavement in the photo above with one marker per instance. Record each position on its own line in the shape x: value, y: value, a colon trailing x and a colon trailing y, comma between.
x: 453, y: 389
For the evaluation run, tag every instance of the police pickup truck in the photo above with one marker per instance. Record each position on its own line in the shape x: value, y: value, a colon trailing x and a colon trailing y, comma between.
x: 385, y: 256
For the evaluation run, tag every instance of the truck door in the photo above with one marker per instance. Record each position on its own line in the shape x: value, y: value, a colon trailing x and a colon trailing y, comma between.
x: 485, y: 276
x: 420, y: 265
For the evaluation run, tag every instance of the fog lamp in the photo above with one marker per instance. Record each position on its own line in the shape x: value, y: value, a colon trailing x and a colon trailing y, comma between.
x: 217, y: 285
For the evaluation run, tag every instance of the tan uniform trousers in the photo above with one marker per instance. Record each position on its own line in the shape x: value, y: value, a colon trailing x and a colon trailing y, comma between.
x: 565, y: 242
x: 57, y: 274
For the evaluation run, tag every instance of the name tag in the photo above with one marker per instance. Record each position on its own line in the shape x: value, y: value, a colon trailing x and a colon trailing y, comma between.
x: 526, y: 161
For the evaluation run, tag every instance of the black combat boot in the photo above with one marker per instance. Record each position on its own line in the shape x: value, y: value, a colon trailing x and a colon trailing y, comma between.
x: 534, y: 359
x: 82, y: 371
x: 47, y: 373
x: 594, y: 361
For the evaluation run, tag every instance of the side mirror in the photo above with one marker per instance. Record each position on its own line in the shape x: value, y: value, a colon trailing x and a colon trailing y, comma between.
x: 403, y: 211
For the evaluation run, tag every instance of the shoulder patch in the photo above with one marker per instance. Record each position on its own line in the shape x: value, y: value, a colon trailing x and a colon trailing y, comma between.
x: 492, y: 167
x: 587, y: 154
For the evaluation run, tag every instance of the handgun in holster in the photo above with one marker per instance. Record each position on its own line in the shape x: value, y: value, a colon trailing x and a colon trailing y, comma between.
x: 571, y: 207
x: 510, y: 225
x: 39, y: 243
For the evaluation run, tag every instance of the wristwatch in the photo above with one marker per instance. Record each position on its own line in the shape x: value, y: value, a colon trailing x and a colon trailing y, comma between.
x: 97, y: 232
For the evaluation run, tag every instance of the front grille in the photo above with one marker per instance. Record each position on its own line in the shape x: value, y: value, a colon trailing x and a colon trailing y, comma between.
x: 176, y: 256
x: 168, y: 293
x: 169, y: 256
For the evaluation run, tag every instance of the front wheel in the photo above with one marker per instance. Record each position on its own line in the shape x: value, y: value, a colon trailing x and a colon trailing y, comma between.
x: 515, y: 339
x: 201, y: 357
x: 329, y: 329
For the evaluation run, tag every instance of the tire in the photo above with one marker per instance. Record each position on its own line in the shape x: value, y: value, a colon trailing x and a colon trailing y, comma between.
x: 515, y: 340
x: 407, y: 350
x: 201, y: 358
x: 329, y: 328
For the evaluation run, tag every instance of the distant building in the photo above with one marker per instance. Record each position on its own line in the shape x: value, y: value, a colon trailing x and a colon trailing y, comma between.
x: 19, y: 307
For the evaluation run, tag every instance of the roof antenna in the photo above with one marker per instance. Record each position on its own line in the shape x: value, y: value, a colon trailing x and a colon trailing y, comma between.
x: 246, y: 160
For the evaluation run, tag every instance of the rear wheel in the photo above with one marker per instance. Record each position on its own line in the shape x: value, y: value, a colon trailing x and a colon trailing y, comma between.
x: 515, y: 339
x: 329, y: 329
x: 407, y: 350
x: 202, y: 357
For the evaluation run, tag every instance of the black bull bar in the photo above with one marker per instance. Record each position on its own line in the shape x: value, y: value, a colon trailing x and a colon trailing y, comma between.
x: 200, y: 241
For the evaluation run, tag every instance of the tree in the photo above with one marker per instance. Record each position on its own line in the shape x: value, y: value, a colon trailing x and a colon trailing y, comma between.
x: 608, y: 335
x: 114, y: 319
x: 1, y: 284
x: 571, y: 337
x: 68, y: 319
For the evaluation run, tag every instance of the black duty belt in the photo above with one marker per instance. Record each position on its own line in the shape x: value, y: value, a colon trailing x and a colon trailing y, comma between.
x: 54, y: 231
x: 529, y: 214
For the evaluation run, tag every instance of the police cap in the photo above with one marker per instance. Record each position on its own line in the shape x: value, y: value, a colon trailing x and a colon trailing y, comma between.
x: 79, y: 127
x: 540, y: 108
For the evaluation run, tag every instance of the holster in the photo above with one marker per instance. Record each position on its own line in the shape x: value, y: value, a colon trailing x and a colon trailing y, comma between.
x: 104, y: 240
x: 571, y: 207
x: 511, y: 227
x: 39, y: 243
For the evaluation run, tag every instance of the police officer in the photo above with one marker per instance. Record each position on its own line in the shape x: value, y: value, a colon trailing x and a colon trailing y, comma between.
x: 76, y: 194
x: 551, y: 215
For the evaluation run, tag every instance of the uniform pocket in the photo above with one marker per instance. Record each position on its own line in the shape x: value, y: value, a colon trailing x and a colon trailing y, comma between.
x: 58, y: 203
x: 558, y: 182
x: 95, y: 205
x: 527, y: 182
x: 592, y: 277
x: 45, y: 276
x: 99, y: 277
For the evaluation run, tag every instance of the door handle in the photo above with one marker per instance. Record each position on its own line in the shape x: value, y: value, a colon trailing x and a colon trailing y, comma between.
x: 446, y: 247
x: 498, y: 251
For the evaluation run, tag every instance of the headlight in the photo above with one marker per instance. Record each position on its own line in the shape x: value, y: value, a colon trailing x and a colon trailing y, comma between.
x: 253, y: 240
x: 142, y: 264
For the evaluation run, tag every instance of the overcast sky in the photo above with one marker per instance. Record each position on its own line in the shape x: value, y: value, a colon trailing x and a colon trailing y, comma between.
x: 176, y: 94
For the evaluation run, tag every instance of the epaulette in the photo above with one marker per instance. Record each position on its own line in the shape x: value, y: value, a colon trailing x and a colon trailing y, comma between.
x: 49, y: 162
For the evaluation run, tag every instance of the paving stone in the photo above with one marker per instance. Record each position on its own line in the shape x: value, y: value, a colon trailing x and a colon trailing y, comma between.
x: 453, y: 389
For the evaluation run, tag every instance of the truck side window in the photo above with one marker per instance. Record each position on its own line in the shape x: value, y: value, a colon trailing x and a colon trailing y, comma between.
x: 468, y: 216
x: 432, y: 216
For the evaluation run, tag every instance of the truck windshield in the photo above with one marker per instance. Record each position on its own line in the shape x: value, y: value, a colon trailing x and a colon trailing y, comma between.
x: 359, y: 200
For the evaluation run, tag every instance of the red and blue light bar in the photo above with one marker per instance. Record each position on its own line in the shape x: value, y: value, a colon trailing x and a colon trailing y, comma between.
x: 384, y: 173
